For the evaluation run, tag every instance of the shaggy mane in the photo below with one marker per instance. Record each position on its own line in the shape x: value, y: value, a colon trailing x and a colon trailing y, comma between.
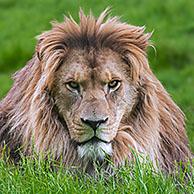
x: 29, y: 119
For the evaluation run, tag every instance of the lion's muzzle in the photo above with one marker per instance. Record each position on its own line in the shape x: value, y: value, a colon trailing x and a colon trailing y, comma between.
x: 94, y: 124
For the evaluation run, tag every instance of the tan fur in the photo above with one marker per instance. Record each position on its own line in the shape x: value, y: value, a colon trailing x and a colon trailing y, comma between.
x: 29, y: 117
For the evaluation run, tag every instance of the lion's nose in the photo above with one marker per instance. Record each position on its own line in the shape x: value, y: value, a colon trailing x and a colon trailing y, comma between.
x: 94, y: 124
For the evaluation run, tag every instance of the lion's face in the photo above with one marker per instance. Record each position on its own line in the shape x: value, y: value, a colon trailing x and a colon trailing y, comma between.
x: 93, y: 91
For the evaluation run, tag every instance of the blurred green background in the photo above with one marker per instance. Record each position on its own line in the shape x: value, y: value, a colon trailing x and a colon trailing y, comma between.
x: 171, y: 20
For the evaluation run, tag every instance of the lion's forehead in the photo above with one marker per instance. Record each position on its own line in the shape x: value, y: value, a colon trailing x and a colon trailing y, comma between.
x: 80, y: 67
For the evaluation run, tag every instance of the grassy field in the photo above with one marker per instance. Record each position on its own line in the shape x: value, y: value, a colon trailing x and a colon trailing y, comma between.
x: 173, y: 62
x: 37, y: 177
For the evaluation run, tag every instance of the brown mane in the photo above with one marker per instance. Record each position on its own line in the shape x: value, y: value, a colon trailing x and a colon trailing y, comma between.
x: 28, y: 116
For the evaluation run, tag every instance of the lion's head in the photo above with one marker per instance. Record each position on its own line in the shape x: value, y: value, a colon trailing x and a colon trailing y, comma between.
x: 89, y: 93
x: 93, y: 91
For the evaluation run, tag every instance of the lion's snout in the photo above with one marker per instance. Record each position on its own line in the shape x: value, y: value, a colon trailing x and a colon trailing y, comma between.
x: 94, y: 124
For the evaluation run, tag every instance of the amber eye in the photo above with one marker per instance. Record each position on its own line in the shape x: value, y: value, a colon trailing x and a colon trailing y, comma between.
x: 114, y: 85
x: 72, y: 85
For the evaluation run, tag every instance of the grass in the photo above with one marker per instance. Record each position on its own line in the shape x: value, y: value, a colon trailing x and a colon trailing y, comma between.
x: 37, y: 177
x: 173, y: 63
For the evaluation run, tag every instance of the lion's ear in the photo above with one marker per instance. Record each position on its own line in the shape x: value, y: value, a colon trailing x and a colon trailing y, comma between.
x: 40, y: 42
x: 38, y: 52
x: 135, y: 55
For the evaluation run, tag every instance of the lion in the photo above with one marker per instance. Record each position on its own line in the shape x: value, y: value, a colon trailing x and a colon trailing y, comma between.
x: 88, y: 94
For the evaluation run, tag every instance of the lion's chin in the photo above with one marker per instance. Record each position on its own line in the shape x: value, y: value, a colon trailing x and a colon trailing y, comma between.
x: 94, y: 150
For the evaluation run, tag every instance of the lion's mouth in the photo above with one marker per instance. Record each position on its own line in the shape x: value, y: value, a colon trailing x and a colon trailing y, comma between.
x: 94, y: 149
x: 93, y: 140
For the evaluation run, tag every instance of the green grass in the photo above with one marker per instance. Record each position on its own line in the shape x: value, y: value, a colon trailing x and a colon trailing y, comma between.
x: 37, y: 177
x: 173, y: 63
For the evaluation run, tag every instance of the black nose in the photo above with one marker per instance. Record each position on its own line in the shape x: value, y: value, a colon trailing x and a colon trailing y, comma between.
x: 94, y: 124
